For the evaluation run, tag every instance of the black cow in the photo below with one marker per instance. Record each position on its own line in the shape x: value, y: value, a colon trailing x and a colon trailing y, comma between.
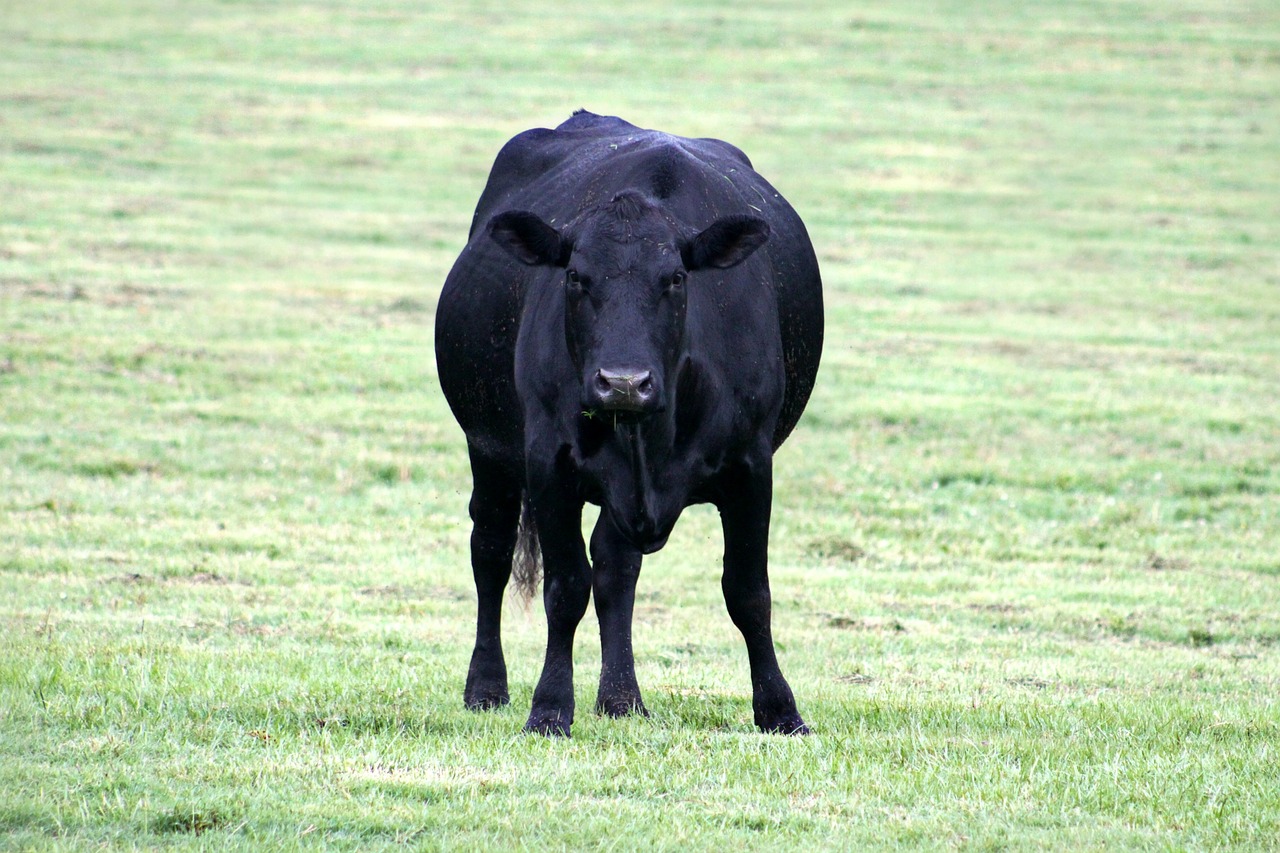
x: 636, y: 321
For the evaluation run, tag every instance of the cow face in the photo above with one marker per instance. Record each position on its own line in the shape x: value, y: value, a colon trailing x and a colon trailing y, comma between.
x: 626, y: 268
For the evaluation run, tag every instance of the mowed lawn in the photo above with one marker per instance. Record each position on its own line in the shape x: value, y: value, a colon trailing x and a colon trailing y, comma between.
x: 1026, y: 542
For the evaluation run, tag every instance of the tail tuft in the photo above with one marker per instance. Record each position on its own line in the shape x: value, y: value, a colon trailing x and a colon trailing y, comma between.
x: 526, y: 560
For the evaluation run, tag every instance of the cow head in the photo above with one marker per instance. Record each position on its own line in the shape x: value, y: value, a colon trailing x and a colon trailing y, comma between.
x: 626, y: 266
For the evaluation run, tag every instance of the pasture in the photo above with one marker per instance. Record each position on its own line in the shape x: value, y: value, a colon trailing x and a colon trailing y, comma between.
x: 1026, y: 542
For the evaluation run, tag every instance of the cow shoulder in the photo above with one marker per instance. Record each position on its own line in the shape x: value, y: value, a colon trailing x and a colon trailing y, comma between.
x: 716, y: 149
x: 522, y: 160
x: 584, y: 121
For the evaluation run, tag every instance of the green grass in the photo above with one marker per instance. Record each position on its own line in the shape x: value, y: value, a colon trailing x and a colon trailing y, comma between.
x: 1026, y: 550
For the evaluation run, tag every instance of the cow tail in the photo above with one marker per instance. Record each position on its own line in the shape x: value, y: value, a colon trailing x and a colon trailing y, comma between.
x: 526, y: 560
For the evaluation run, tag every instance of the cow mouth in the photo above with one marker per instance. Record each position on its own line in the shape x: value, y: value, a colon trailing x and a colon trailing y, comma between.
x: 616, y: 416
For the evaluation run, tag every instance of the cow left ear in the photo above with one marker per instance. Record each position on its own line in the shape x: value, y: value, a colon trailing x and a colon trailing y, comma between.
x: 529, y: 239
x: 725, y: 243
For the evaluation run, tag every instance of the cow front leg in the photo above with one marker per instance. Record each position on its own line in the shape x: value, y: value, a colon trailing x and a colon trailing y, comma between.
x: 616, y: 567
x: 744, y: 515
x: 495, y: 513
x: 566, y: 590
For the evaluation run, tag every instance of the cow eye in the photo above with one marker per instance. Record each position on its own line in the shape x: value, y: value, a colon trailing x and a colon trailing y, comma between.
x: 677, y: 281
x: 572, y: 280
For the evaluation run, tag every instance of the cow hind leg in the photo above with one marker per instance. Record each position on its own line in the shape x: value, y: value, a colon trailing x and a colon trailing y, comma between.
x: 616, y: 567
x: 744, y: 516
x: 495, y: 515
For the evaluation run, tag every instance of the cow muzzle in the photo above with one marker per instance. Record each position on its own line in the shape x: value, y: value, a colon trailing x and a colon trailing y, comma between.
x: 629, y: 391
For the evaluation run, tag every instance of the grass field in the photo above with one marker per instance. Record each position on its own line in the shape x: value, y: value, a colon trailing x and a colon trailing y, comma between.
x: 1026, y: 549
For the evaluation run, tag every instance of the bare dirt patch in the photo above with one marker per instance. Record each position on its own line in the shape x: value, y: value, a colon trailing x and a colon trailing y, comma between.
x: 879, y: 624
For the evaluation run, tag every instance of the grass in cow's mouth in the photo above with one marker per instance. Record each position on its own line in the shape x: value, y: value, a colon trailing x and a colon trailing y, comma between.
x: 1024, y: 563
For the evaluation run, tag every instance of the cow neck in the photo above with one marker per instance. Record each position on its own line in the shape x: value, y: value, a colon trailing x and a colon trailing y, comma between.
x: 641, y: 477
x: 644, y: 444
x: 648, y: 498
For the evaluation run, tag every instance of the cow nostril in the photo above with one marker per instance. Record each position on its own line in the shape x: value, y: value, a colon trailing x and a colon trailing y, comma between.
x: 623, y: 390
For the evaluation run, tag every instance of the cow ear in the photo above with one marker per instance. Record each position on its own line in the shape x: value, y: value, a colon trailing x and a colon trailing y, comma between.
x: 530, y: 240
x: 726, y: 242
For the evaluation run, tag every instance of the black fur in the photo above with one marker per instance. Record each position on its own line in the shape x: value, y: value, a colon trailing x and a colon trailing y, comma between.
x: 636, y: 322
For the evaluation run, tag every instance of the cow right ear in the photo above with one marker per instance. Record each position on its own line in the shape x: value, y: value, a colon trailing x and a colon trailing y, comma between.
x: 529, y: 240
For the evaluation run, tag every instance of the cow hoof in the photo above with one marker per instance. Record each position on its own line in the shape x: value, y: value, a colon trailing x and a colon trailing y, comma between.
x: 551, y: 726
x: 789, y: 725
x: 621, y: 706
x: 485, y: 701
